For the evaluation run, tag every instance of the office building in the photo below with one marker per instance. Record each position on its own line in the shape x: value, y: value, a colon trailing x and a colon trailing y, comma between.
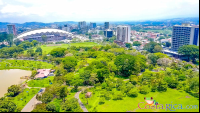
x: 124, y: 34
x: 11, y: 29
x: 66, y: 28
x: 106, y: 25
x: 108, y: 33
x: 93, y: 25
x: 184, y: 35
x: 82, y: 25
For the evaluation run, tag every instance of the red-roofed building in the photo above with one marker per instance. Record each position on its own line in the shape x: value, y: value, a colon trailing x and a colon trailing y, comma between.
x: 43, y: 73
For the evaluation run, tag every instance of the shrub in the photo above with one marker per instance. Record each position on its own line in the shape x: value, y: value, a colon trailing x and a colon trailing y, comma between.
x: 107, y: 96
x: 118, y: 96
x: 103, y: 85
x: 144, y: 89
x: 102, y: 100
x: 133, y: 93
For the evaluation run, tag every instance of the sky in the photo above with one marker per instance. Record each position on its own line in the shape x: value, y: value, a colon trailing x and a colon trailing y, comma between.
x: 20, y: 11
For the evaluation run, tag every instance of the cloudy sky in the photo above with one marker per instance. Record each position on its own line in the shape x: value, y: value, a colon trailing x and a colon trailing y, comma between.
x: 95, y: 10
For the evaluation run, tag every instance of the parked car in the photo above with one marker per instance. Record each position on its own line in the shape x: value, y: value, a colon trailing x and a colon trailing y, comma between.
x: 40, y: 90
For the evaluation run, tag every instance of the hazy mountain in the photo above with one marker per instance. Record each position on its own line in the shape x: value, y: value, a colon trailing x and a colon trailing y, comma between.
x: 193, y: 20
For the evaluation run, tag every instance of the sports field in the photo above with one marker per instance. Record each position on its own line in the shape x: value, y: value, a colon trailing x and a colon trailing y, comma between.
x: 48, y: 48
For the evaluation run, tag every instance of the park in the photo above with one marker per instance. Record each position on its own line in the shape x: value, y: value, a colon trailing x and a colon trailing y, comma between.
x: 117, y: 78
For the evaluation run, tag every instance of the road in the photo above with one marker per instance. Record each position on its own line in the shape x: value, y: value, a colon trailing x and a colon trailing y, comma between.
x: 79, y: 101
x: 31, y: 104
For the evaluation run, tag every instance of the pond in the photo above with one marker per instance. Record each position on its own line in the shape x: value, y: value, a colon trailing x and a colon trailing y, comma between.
x: 11, y: 77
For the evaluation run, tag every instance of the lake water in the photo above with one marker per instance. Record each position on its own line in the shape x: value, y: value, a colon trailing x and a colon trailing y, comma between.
x: 11, y: 77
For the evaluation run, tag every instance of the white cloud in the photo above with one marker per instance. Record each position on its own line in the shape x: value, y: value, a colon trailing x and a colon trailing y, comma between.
x: 1, y: 2
x: 99, y: 10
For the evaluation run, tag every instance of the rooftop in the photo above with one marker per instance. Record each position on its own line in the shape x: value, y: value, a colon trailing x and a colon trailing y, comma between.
x: 40, y: 31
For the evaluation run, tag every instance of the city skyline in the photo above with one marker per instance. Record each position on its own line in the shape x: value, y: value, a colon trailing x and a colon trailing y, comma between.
x: 20, y: 11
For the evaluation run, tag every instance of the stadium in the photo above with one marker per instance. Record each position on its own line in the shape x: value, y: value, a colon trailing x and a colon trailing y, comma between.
x: 50, y: 34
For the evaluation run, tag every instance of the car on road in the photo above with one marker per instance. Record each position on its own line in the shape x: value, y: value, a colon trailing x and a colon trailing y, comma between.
x: 40, y: 90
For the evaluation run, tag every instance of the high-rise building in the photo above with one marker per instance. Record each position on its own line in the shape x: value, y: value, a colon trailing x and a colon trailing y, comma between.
x: 106, y: 25
x: 184, y: 35
x: 93, y: 25
x: 66, y: 28
x: 124, y: 34
x: 11, y: 29
x: 108, y: 33
x: 82, y: 25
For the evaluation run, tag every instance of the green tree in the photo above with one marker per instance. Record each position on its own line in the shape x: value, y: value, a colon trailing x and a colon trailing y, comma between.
x: 30, y: 53
x: 153, y: 58
x: 128, y: 45
x: 71, y: 105
x: 44, y: 38
x: 34, y: 72
x: 101, y: 33
x: 150, y: 47
x: 7, y: 106
x: 40, y: 108
x: 102, y: 100
x: 63, y: 93
x: 9, y: 39
x: 90, y: 36
x: 162, y: 37
x: 157, y: 49
x: 107, y: 47
x: 162, y: 85
x: 133, y: 92
x: 133, y: 79
x: 51, y: 107
x: 112, y: 39
x: 14, y: 89
x: 58, y: 52
x: 125, y: 64
x: 69, y: 63
x: 47, y: 97
x: 35, y: 42
x: 39, y: 50
x: 17, y: 42
x: 76, y: 81
x: 137, y: 43
x: 190, y: 51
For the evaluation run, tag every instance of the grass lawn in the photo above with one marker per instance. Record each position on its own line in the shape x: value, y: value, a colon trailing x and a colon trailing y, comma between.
x: 172, y: 96
x: 41, y: 83
x: 48, y: 48
x: 26, y: 97
x: 23, y: 64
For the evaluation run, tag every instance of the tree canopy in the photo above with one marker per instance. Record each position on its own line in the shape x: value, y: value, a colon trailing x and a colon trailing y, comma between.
x: 190, y: 51
x: 58, y: 52
x: 153, y: 47
x: 137, y: 43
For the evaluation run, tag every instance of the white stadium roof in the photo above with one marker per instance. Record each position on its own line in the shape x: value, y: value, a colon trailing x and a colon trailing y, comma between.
x: 41, y: 31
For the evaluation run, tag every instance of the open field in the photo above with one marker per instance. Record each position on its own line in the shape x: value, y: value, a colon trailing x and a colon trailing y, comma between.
x: 23, y: 64
x: 171, y: 97
x: 23, y: 98
x: 41, y: 83
x: 48, y: 48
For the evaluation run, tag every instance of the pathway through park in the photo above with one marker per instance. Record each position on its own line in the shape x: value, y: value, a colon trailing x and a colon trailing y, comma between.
x: 79, y: 101
x: 31, y: 104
